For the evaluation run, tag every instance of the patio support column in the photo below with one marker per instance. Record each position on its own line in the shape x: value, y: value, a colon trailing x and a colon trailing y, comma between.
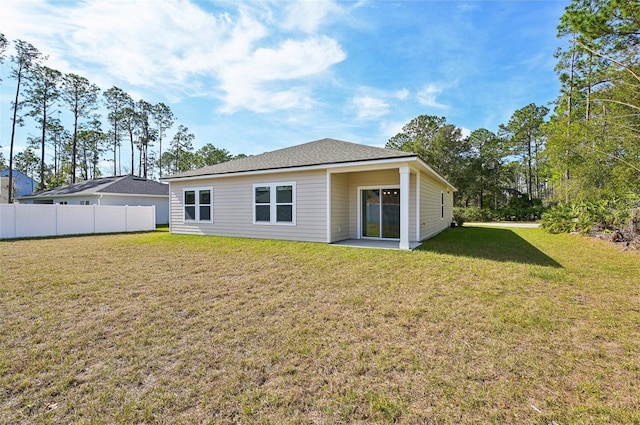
x: 404, y: 207
x: 328, y: 207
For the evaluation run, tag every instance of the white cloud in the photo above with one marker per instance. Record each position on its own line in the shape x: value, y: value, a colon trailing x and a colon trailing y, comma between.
x: 391, y: 128
x: 402, y: 94
x: 255, y: 82
x: 160, y: 42
x: 307, y: 16
x: 466, y: 7
x: 180, y: 48
x: 373, y: 102
x: 428, y: 96
x: 370, y: 107
x: 142, y: 43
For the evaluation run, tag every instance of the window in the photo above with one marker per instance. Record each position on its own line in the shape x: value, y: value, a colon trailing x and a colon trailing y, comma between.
x: 442, y: 205
x: 380, y: 213
x: 274, y: 203
x: 197, y: 204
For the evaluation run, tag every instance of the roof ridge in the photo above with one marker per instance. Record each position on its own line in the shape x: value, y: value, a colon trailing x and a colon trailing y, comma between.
x: 123, y: 184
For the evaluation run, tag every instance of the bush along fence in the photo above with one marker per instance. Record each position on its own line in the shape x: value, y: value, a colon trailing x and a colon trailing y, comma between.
x: 27, y: 221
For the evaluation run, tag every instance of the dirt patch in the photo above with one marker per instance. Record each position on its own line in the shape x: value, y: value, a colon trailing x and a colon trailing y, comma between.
x: 627, y: 237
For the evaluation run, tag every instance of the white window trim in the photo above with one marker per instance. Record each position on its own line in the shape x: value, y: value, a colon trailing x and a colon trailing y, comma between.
x: 197, y: 204
x: 273, y: 204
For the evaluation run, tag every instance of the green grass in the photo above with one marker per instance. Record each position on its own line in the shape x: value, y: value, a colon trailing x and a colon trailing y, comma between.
x: 480, y: 325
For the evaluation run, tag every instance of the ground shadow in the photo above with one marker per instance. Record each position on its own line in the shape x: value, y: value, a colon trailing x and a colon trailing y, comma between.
x: 489, y: 243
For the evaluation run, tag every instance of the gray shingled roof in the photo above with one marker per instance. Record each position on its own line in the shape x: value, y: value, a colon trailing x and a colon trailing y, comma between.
x: 117, y: 185
x: 319, y: 152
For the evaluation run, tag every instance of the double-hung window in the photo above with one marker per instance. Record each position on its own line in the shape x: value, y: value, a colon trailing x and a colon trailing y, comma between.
x: 274, y: 203
x: 198, y: 204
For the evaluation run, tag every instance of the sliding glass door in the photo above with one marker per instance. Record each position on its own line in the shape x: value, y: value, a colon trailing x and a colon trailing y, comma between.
x: 381, y: 213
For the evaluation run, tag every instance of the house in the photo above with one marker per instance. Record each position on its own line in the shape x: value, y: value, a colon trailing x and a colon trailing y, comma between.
x: 116, y: 190
x: 22, y: 184
x: 322, y: 191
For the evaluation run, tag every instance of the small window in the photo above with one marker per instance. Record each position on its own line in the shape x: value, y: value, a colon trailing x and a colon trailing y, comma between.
x: 263, y: 203
x: 205, y: 205
x: 284, y: 204
x: 442, y: 205
x: 198, y: 204
x: 274, y: 203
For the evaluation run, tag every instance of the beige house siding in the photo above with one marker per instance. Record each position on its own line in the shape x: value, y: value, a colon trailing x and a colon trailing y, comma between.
x: 233, y: 207
x: 339, y: 207
x: 431, y: 221
x: 412, y: 206
x: 448, y: 206
x: 344, y: 200
x: 390, y: 177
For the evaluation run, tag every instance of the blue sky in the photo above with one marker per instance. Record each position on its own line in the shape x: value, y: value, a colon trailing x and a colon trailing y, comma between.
x: 261, y: 75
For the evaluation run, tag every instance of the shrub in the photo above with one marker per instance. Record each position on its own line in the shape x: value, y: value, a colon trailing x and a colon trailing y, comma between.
x: 587, y: 216
x: 458, y: 218
x: 559, y: 219
x: 473, y: 214
x: 528, y: 213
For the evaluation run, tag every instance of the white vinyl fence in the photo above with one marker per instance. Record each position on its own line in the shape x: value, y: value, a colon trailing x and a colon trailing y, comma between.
x: 32, y: 220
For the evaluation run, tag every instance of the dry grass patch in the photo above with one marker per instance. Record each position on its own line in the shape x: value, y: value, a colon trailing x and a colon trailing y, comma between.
x: 480, y: 325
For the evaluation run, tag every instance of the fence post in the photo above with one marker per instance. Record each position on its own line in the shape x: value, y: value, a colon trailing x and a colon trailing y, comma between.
x: 15, y: 220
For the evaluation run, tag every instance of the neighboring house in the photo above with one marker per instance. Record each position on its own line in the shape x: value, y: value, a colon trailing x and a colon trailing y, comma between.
x: 322, y: 191
x: 117, y: 190
x: 23, y: 185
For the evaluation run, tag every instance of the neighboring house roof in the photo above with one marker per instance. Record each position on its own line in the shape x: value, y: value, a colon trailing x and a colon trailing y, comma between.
x: 116, y: 185
x: 23, y: 184
x: 319, y: 152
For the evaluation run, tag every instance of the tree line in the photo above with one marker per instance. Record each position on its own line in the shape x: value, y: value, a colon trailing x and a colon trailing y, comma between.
x: 490, y: 170
x: 586, y: 147
x: 79, y: 149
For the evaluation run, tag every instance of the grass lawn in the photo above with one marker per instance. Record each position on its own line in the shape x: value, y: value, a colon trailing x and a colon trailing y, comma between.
x: 479, y: 325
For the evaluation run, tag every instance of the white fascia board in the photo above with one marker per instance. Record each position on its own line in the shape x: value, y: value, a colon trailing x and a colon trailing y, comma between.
x: 343, y: 167
x: 372, y: 165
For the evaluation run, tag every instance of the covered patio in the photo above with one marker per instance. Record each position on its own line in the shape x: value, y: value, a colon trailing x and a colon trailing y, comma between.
x: 373, y: 206
x: 375, y: 244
